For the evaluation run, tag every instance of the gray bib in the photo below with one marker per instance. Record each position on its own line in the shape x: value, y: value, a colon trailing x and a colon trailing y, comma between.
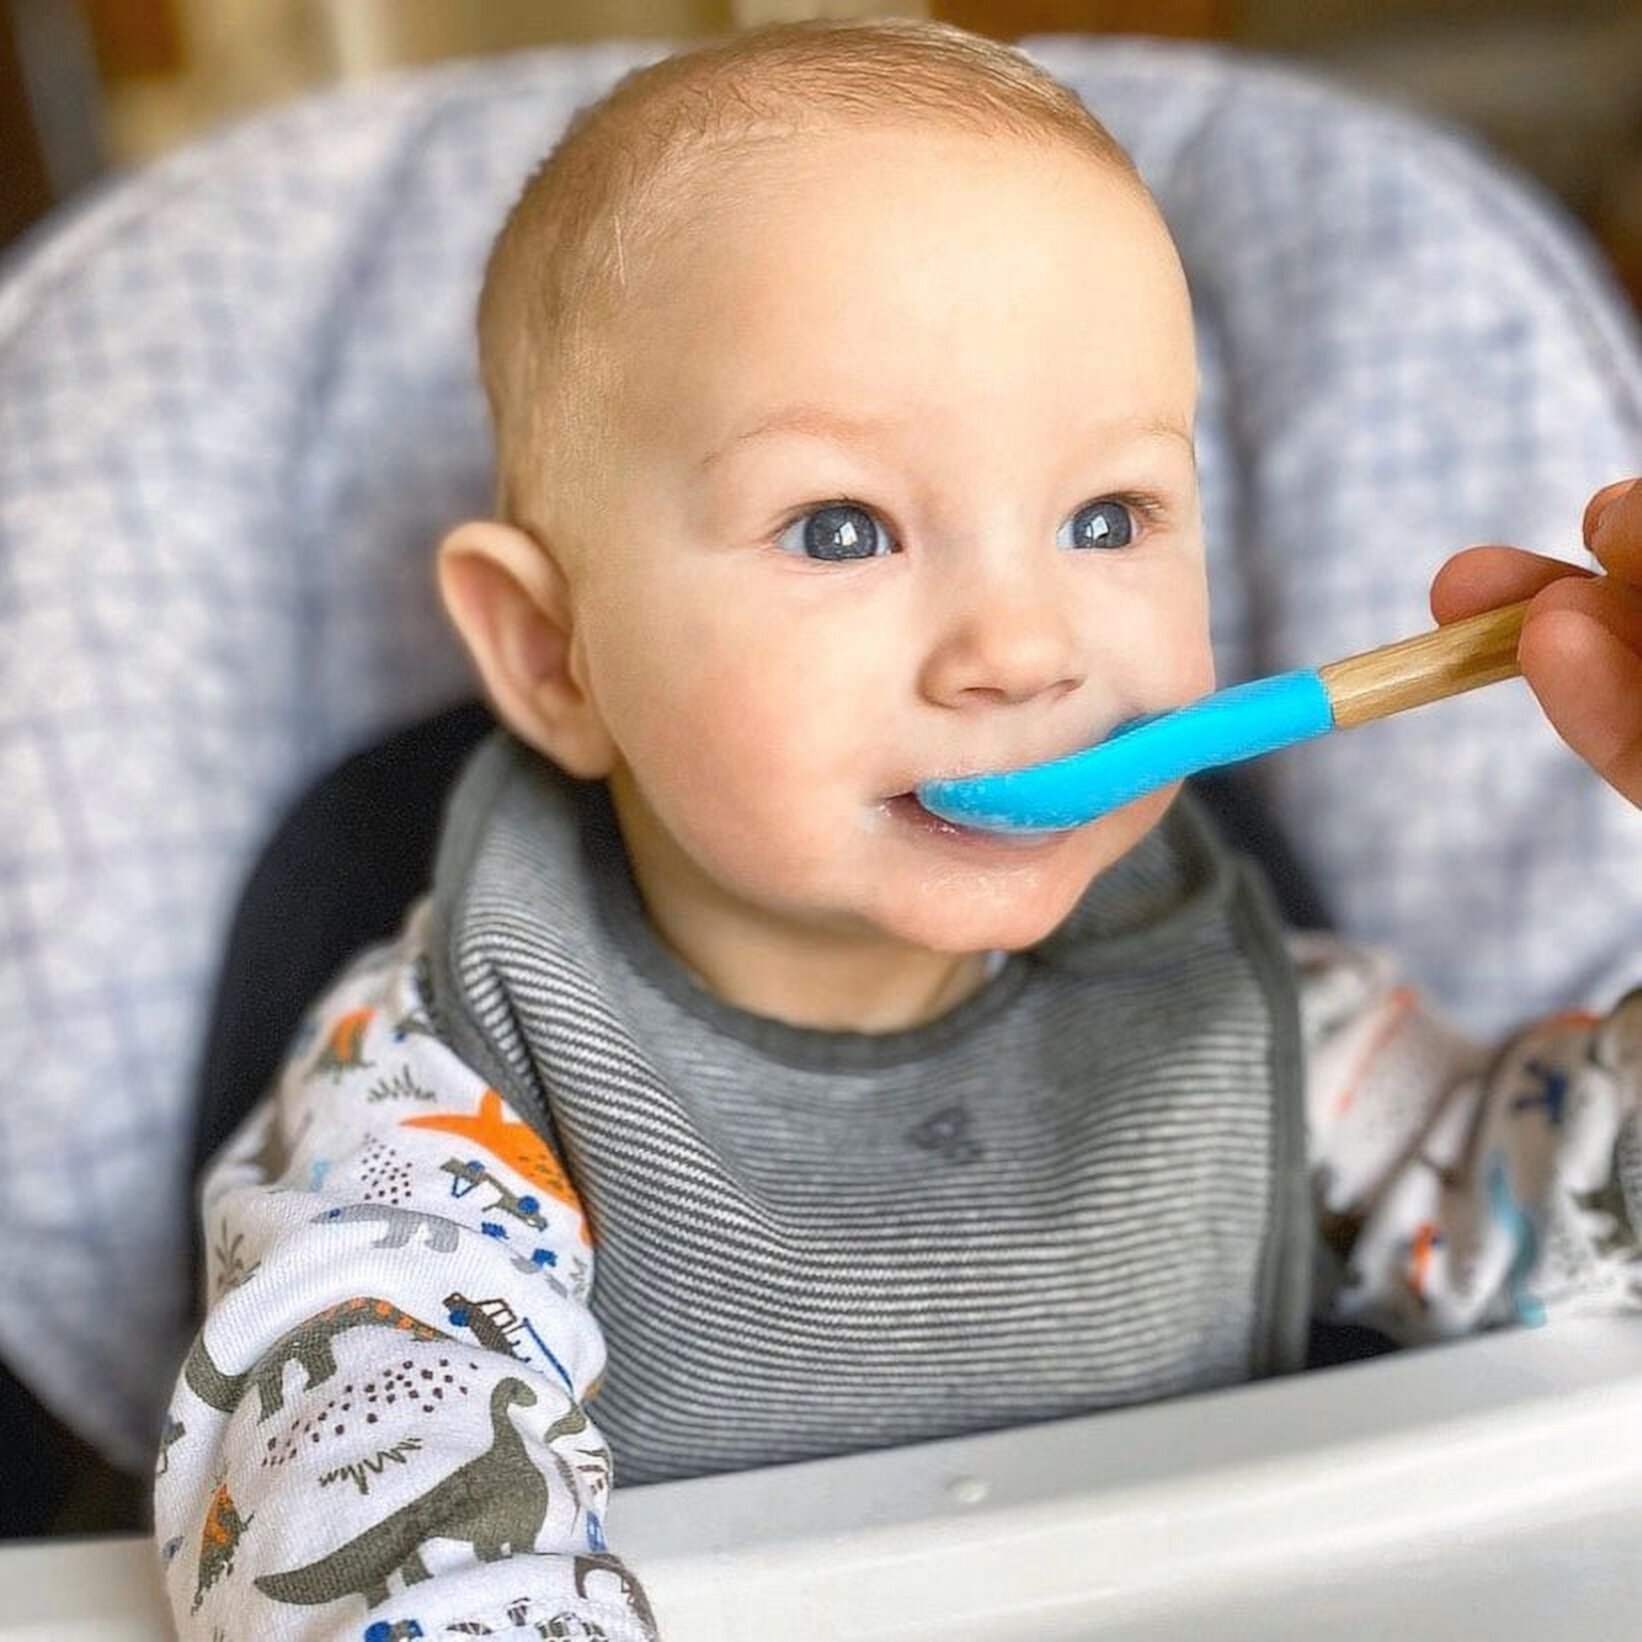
x: 1083, y: 1187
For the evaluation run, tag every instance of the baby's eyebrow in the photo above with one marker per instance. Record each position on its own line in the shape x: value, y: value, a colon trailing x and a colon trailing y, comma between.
x: 823, y: 423
x: 816, y: 420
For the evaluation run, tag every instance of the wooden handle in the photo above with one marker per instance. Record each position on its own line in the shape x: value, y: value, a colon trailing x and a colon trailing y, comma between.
x: 1461, y: 656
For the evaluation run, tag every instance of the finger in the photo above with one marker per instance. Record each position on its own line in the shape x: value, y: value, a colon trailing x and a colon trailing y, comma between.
x: 1589, y: 683
x: 1598, y: 505
x: 1613, y: 604
x: 1613, y: 530
x: 1483, y: 578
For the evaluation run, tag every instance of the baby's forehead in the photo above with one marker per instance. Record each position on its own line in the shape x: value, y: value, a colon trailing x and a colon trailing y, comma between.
x: 796, y: 177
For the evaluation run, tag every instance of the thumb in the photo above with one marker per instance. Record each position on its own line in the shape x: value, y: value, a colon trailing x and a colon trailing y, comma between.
x: 1581, y: 653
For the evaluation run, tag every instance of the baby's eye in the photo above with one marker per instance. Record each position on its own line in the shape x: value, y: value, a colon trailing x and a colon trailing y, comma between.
x: 1106, y: 523
x: 840, y: 530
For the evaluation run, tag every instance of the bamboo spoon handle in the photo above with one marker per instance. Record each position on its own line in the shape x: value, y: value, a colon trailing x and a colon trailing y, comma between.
x: 1480, y: 650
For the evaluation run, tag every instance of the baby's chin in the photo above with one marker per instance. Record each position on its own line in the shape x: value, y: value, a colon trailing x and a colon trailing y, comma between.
x: 948, y: 893
x: 955, y: 927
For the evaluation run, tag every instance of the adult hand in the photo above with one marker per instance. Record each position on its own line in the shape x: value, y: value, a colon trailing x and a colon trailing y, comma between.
x: 1581, y: 646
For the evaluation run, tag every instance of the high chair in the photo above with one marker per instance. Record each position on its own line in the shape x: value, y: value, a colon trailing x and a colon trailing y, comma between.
x: 238, y: 407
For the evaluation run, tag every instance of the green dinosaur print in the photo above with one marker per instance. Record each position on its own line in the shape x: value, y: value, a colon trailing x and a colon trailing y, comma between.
x: 638, y: 1603
x: 497, y: 1501
x: 344, y: 1047
x: 401, y: 1086
x: 1618, y: 1239
x: 172, y: 1432
x: 219, y: 1538
x: 360, y: 1472
x: 309, y: 1344
x: 230, y: 1263
x: 593, y: 1463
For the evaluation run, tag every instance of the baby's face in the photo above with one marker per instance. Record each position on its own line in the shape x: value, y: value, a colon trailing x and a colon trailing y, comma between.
x: 906, y: 491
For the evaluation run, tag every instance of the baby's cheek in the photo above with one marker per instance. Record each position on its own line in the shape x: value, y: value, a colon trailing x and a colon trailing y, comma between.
x: 714, y: 751
x: 1195, y: 675
x: 1168, y: 649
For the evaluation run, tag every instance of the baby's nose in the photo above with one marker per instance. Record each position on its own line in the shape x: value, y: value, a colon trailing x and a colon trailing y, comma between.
x: 1010, y: 641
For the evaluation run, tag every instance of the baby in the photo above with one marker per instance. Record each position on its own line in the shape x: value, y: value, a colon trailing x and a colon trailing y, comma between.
x: 720, y: 1106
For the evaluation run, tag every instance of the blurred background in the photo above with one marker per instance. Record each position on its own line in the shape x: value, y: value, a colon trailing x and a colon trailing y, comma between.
x: 88, y: 87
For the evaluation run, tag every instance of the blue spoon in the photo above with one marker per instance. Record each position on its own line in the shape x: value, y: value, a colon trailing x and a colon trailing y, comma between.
x: 1231, y: 725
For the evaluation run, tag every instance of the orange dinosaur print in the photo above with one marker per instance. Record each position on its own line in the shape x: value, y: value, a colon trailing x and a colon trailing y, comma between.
x: 514, y: 1143
x: 1426, y: 1241
x: 345, y: 1043
x: 219, y: 1539
x: 1569, y: 1017
x: 388, y: 1315
x: 1398, y: 1007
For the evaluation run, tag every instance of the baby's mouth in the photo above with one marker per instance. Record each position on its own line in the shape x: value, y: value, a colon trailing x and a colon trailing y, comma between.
x: 904, y: 809
x: 905, y: 806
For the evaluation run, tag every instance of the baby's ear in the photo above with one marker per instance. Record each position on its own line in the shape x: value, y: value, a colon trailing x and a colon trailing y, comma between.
x: 511, y: 603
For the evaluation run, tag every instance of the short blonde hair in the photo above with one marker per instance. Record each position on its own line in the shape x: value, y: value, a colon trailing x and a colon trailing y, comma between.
x: 594, y: 210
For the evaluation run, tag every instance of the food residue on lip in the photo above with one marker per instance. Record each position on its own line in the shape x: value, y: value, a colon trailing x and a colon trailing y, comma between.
x: 907, y: 808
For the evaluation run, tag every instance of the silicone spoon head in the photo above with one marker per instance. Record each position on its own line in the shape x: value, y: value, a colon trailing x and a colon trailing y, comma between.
x: 1138, y: 757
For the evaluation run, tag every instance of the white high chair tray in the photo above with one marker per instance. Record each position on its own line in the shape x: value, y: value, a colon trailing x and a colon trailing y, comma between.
x: 1487, y: 1488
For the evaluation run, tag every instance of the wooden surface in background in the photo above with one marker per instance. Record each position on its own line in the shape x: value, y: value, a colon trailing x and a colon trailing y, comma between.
x: 135, y: 39
x: 1010, y: 19
x: 25, y: 190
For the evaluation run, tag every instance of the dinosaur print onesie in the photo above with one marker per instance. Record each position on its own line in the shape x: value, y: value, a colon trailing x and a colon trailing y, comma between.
x: 529, y: 1211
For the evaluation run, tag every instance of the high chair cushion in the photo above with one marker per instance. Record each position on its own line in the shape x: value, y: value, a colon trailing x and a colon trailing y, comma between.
x: 238, y: 406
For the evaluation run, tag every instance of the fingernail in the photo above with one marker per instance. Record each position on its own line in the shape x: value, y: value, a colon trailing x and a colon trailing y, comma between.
x: 1608, y: 507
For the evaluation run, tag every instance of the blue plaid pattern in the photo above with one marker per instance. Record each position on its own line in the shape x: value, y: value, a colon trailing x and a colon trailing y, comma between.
x: 238, y: 405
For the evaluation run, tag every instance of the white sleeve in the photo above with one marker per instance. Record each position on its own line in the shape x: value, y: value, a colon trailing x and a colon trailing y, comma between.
x: 381, y: 1431
x: 1459, y: 1186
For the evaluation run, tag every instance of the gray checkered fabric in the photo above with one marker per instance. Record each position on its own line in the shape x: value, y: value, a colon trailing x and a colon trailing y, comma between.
x: 238, y: 405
